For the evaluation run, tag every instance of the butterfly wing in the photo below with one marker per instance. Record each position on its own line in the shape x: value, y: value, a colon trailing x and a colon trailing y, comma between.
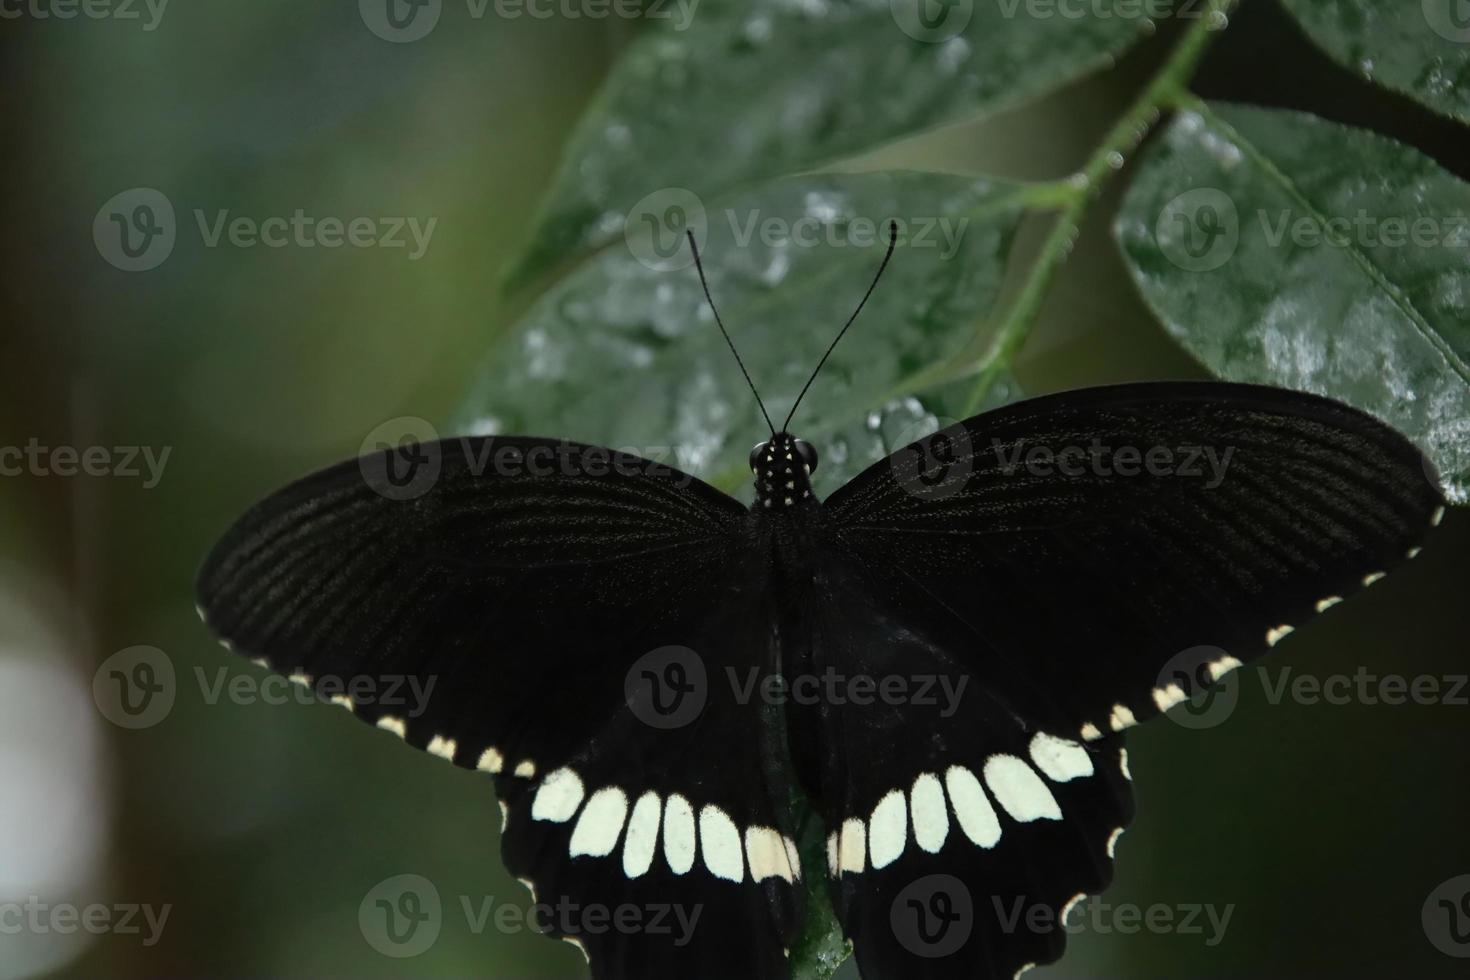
x: 552, y: 614
x: 961, y: 825
x: 1081, y: 585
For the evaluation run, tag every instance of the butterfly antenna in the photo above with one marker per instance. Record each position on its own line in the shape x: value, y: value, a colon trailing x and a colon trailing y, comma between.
x: 711, y: 300
x: 892, y: 240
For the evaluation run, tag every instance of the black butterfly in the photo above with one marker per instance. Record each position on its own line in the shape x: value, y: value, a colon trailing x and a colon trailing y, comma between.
x: 942, y: 657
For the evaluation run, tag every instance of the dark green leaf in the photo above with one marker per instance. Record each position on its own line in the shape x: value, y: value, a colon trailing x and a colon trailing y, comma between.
x: 753, y: 89
x: 1284, y: 249
x: 624, y: 352
x: 1421, y: 49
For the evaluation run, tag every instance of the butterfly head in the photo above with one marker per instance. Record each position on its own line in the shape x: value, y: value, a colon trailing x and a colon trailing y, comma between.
x: 783, y: 467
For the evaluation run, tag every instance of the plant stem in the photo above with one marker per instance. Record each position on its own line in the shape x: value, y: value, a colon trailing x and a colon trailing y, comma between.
x: 1168, y: 86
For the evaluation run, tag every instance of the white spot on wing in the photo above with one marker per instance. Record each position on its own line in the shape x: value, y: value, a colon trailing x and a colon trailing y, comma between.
x: 1413, y: 552
x: 1437, y: 516
x: 574, y: 941
x: 679, y: 839
x: 766, y: 851
x: 526, y: 769
x: 1275, y: 636
x: 388, y: 723
x: 1113, y: 839
x: 832, y: 867
x: 1374, y: 577
x: 1059, y: 758
x: 1121, y: 718
x: 1325, y: 604
x: 1166, y: 697
x: 1019, y: 790
x: 1123, y: 764
x: 719, y: 841
x: 642, y: 841
x: 793, y: 856
x: 558, y: 797
x: 852, y: 848
x: 491, y: 761
x: 888, y: 829
x: 1090, y: 732
x: 1223, y: 666
x: 929, y: 813
x: 443, y: 747
x: 343, y: 701
x: 972, y: 807
x: 601, y: 823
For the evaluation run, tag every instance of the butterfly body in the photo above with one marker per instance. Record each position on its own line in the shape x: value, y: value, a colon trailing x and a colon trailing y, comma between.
x: 943, y: 656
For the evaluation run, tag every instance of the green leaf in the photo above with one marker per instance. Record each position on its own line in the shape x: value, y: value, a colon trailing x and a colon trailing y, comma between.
x: 624, y: 352
x: 1421, y: 49
x: 753, y: 89
x: 1284, y: 249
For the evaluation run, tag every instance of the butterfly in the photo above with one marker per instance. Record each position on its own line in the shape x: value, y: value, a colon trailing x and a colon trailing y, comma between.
x: 922, y: 682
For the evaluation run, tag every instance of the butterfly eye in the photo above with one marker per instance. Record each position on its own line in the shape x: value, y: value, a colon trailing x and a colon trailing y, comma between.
x: 808, y: 454
x: 756, y: 454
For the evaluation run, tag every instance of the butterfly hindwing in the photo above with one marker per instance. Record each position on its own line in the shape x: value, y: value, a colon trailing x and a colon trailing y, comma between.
x: 536, y: 610
x: 962, y: 826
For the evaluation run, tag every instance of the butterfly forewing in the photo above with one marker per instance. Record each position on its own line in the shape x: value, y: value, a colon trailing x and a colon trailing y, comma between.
x: 1122, y: 546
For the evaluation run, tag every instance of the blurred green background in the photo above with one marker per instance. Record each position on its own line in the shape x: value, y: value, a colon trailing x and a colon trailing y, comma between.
x: 264, y: 827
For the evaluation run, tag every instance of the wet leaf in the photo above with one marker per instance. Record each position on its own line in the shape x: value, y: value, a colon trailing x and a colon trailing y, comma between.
x: 1284, y: 249
x: 625, y: 353
x: 1421, y: 49
x: 753, y: 89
